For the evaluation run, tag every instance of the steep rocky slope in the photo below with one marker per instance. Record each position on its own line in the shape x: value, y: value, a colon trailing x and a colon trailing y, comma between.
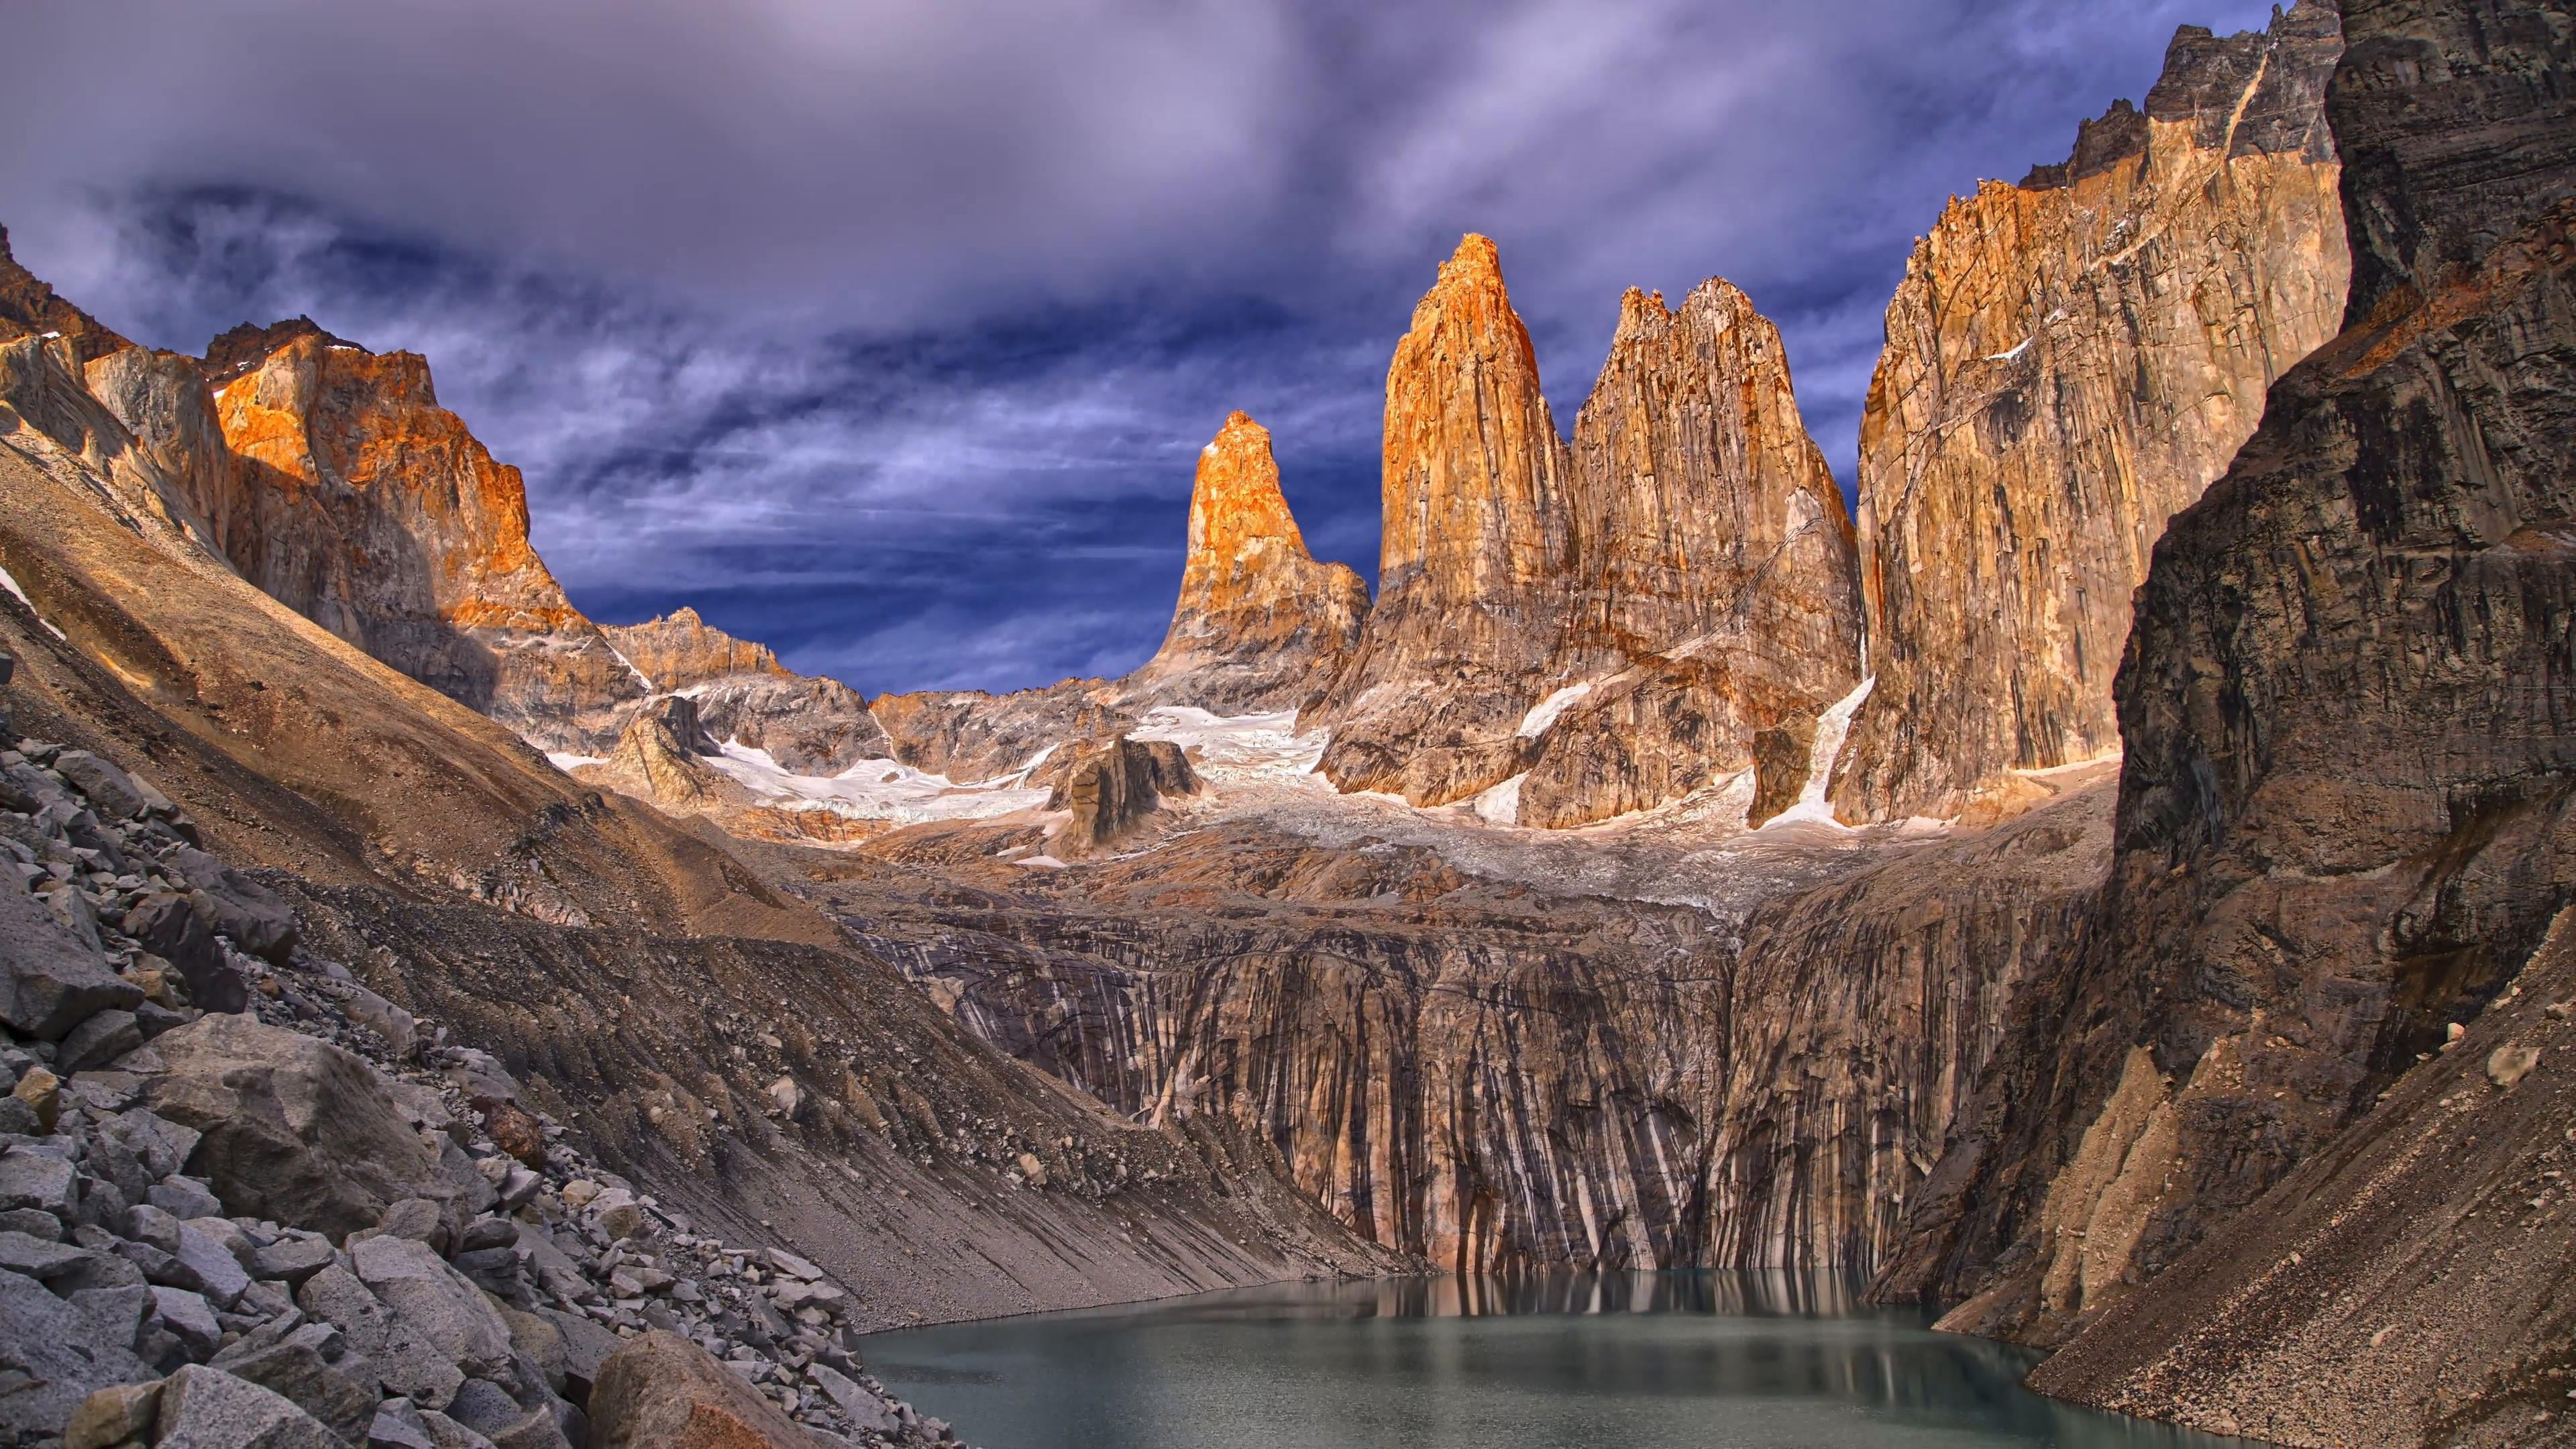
x: 811, y: 726
x: 1260, y: 624
x: 250, y: 1201
x: 2069, y: 361
x: 2343, y: 822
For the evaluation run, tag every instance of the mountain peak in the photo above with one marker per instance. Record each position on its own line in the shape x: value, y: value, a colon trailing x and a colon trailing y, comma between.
x: 1259, y: 623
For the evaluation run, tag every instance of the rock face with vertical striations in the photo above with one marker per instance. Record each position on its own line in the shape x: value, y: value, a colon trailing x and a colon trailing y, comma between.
x: 1714, y: 592
x: 2343, y: 824
x: 1260, y: 624
x: 809, y: 725
x: 372, y: 511
x: 2070, y: 361
x: 1473, y: 558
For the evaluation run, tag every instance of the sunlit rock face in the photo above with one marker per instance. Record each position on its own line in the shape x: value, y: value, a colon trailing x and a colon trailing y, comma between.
x: 808, y: 725
x: 2343, y: 824
x: 2069, y: 361
x: 370, y: 509
x: 1714, y: 591
x: 1260, y: 624
x: 1614, y: 620
x: 1473, y: 557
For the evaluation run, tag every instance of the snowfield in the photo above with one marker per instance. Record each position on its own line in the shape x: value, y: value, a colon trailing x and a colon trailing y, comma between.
x: 877, y: 789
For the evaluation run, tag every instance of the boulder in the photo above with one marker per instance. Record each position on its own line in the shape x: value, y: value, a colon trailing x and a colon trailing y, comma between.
x: 405, y: 1359
x: 190, y: 1317
x: 254, y: 916
x: 169, y: 928
x: 113, y: 1416
x: 665, y: 1392
x: 52, y: 1342
x: 40, y: 1180
x: 448, y: 1310
x: 112, y: 793
x: 313, y: 1369
x: 103, y: 1038
x: 206, y: 1408
x: 48, y: 982
x: 866, y: 1411
x: 295, y: 1130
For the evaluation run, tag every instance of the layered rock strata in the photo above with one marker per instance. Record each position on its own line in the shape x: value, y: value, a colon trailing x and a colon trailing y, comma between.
x: 1260, y: 624
x: 2069, y: 362
x: 2343, y: 823
x: 808, y: 724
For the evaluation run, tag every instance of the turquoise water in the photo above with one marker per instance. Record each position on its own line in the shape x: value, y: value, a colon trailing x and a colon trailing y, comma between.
x: 1653, y: 1360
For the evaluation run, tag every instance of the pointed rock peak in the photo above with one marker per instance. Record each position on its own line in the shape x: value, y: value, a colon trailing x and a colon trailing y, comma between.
x: 30, y: 308
x: 1474, y: 268
x: 247, y: 346
x: 1237, y: 498
x: 681, y: 648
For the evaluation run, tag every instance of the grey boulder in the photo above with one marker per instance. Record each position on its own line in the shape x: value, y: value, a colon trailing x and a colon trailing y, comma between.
x: 50, y: 983
x: 206, y: 1408
x: 434, y: 1298
x: 295, y: 1130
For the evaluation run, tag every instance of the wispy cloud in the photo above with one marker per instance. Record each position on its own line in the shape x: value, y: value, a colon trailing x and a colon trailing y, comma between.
x: 889, y: 333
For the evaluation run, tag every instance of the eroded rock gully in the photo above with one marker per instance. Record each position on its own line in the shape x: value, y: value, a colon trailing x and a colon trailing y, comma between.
x: 2069, y: 361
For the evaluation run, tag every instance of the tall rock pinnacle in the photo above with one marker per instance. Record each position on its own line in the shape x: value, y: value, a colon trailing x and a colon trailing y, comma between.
x: 2070, y: 361
x: 1715, y: 592
x: 1259, y: 620
x: 1473, y: 558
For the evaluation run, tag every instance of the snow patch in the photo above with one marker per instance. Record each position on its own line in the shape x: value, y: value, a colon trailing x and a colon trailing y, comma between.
x: 569, y: 763
x: 1501, y: 804
x: 20, y: 594
x: 1831, y: 728
x: 872, y: 789
x: 621, y: 658
x: 1231, y: 749
x: 2016, y: 350
x: 1042, y: 862
x: 1544, y: 713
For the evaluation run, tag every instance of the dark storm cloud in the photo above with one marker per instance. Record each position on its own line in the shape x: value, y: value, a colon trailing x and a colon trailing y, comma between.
x: 889, y: 332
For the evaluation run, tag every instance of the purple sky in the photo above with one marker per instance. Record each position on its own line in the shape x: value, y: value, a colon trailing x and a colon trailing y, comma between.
x: 888, y: 333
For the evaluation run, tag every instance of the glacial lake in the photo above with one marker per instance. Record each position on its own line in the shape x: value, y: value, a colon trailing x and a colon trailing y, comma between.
x: 1570, y: 1361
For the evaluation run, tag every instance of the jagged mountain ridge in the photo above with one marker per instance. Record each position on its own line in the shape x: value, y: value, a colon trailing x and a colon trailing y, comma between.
x: 1969, y: 1060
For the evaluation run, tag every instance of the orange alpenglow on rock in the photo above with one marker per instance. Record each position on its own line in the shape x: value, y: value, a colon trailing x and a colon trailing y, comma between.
x: 680, y: 649
x: 374, y: 512
x: 1473, y: 555
x: 1716, y: 593
x: 2069, y: 362
x: 1260, y: 622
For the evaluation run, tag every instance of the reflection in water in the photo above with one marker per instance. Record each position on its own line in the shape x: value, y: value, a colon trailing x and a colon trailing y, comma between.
x: 1759, y: 1360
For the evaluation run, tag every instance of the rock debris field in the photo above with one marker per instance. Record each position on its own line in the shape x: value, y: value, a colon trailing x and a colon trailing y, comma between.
x: 245, y: 1201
